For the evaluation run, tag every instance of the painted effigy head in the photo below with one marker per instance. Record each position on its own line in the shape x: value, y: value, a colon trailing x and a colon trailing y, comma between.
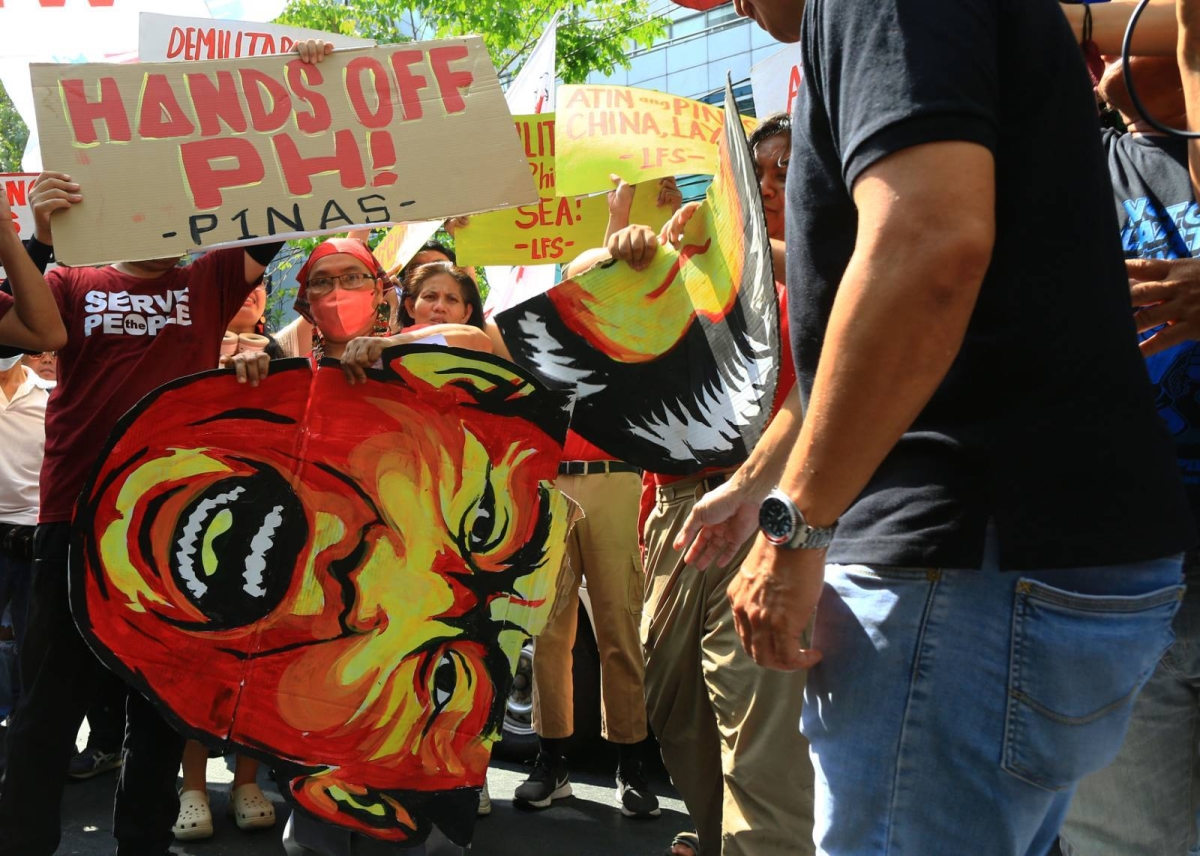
x: 338, y: 581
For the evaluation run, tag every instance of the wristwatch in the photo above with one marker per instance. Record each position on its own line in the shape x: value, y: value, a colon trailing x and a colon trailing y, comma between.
x: 784, y: 525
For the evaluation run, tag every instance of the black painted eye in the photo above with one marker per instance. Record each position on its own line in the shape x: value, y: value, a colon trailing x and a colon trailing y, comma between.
x: 445, y: 680
x: 236, y: 546
x: 487, y: 529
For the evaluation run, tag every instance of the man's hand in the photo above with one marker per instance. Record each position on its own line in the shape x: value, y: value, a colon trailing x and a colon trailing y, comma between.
x: 52, y: 191
x: 313, y: 50
x: 774, y: 595
x: 364, y: 352
x: 634, y: 245
x: 1165, y: 291
x: 620, y: 199
x: 672, y: 230
x: 718, y: 525
x: 669, y: 194
x: 455, y: 223
x: 251, y: 366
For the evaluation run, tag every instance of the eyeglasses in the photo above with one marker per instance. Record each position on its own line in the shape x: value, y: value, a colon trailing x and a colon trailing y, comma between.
x: 349, y: 281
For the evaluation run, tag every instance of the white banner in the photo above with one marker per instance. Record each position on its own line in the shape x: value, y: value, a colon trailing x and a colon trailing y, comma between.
x: 163, y: 38
x: 775, y: 82
x: 532, y: 91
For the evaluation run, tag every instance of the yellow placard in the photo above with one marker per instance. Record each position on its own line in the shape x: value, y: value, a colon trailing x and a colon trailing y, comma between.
x: 638, y: 134
x: 554, y: 230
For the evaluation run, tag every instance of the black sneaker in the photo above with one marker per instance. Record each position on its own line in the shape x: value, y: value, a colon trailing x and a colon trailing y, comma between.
x: 93, y: 762
x: 548, y: 782
x: 634, y: 794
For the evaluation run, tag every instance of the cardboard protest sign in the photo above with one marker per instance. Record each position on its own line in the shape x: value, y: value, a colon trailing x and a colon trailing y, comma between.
x: 775, y: 82
x: 554, y: 230
x: 676, y: 366
x: 181, y: 156
x: 402, y: 241
x: 171, y: 37
x: 638, y: 134
x: 336, y: 580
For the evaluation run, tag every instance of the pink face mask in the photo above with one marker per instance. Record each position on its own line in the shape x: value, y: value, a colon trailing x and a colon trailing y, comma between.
x: 341, y: 315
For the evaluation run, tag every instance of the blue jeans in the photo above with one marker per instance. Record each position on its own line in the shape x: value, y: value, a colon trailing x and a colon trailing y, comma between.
x: 1145, y: 802
x: 956, y: 710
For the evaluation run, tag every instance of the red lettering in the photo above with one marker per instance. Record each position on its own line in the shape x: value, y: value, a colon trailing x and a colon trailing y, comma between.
x: 299, y: 74
x: 793, y: 87
x: 216, y: 103
x: 58, y: 4
x: 286, y: 45
x: 381, y: 116
x: 254, y: 85
x: 410, y: 84
x: 161, y: 116
x: 206, y: 44
x: 176, y: 42
x: 84, y: 113
x: 205, y: 181
x: 451, y: 83
x: 298, y: 171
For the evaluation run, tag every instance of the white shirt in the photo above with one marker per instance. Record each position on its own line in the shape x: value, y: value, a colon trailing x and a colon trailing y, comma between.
x: 22, y: 445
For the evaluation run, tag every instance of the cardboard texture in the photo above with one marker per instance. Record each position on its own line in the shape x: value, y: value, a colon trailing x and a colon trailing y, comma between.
x: 401, y: 243
x: 337, y: 580
x: 555, y: 230
x: 676, y: 366
x: 182, y: 156
x: 163, y: 38
x: 638, y: 134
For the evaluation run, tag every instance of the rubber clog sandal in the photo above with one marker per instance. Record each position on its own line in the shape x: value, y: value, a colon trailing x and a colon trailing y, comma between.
x: 195, y: 817
x: 251, y: 809
x: 685, y: 839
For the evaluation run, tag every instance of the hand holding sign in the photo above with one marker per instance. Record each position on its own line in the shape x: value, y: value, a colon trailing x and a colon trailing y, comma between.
x: 193, y: 155
x: 53, y: 191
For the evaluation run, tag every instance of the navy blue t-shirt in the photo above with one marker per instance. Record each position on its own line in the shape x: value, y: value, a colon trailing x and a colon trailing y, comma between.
x: 1160, y: 219
x: 1045, y: 422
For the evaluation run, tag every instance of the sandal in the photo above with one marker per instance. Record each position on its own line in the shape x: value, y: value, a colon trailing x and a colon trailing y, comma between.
x: 690, y: 840
x: 195, y: 817
x: 251, y: 808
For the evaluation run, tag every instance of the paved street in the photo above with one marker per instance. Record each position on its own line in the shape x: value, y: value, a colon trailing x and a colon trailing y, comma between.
x: 588, y: 824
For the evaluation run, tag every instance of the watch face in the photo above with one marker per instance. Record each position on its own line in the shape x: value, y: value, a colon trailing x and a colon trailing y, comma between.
x: 775, y: 520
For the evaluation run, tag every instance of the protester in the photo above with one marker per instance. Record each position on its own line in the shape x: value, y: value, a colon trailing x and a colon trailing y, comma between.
x: 728, y: 734
x: 957, y: 401
x: 45, y: 365
x: 431, y: 251
x: 1144, y: 802
x: 440, y: 293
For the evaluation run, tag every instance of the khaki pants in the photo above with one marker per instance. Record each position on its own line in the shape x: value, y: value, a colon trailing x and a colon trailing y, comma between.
x: 729, y: 728
x: 603, y: 548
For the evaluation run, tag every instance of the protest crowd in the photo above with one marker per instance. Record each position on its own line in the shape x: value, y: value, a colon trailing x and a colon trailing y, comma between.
x: 919, y: 575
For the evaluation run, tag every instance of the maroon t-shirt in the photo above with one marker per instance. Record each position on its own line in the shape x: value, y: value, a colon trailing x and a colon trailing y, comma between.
x: 125, y: 337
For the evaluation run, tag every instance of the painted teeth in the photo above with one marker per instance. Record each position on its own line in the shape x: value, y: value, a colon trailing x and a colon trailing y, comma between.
x: 186, y: 547
x: 263, y: 540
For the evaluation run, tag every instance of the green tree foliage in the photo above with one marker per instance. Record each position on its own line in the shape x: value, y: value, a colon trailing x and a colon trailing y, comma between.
x: 13, y: 135
x: 593, y: 35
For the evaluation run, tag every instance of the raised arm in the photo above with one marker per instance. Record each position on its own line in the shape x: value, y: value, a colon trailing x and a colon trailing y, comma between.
x: 33, y: 322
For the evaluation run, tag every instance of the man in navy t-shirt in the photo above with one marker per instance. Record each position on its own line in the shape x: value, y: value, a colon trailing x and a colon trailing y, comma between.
x: 980, y: 453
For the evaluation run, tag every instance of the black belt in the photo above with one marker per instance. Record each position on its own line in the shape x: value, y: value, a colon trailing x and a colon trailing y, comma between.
x: 590, y: 468
x: 16, y: 541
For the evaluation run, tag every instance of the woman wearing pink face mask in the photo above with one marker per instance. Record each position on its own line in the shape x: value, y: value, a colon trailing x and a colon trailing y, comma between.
x: 341, y: 290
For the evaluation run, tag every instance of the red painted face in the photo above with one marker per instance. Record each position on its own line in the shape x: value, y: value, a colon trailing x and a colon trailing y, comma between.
x: 340, y: 581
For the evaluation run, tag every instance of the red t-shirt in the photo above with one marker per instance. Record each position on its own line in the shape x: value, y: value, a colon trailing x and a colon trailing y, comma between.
x: 125, y: 337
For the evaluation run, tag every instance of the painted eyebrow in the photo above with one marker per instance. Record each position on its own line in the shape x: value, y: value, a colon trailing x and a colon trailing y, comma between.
x: 251, y: 413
